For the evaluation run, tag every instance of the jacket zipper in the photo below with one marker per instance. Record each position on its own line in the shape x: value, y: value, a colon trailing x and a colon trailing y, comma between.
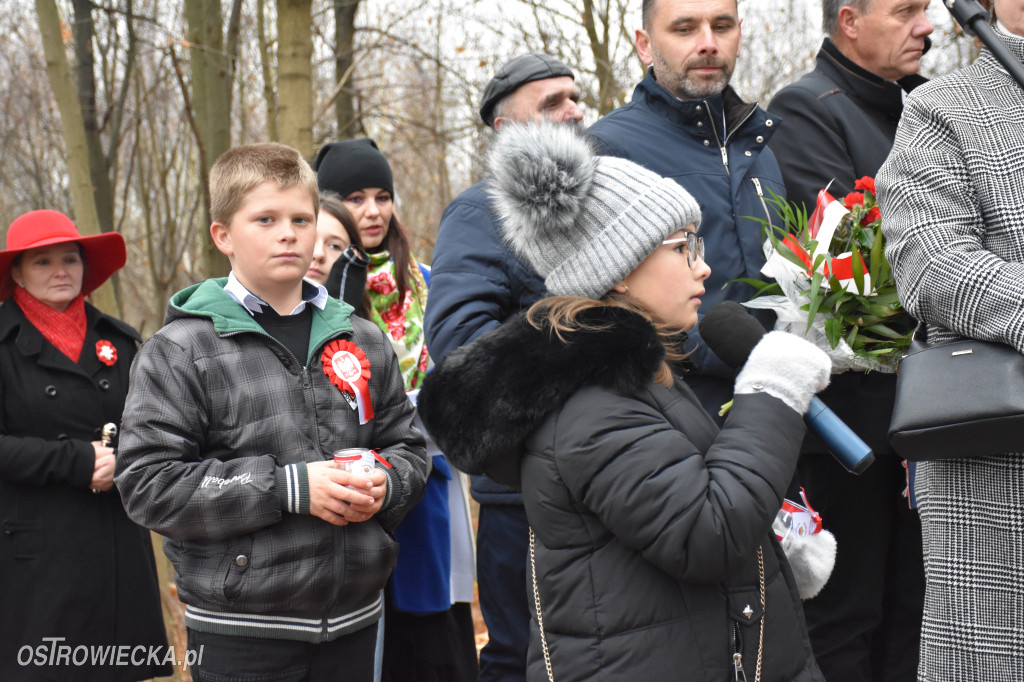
x: 737, y: 657
x: 723, y: 146
x: 739, y: 675
x: 307, y: 384
x: 307, y: 388
x: 764, y: 205
x: 718, y: 139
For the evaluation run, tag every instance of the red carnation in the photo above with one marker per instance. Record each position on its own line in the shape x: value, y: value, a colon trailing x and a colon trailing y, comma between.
x: 871, y: 216
x: 866, y: 184
x: 853, y: 199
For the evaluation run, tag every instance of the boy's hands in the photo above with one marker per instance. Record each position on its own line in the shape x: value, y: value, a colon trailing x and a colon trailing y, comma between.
x: 331, y: 499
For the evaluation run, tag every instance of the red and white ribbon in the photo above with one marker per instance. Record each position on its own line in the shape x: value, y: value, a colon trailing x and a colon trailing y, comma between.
x: 827, y: 217
x: 348, y: 368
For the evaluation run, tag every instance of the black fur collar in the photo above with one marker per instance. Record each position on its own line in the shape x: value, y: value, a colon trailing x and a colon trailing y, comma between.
x: 486, y: 398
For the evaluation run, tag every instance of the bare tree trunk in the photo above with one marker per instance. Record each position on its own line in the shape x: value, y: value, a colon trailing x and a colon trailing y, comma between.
x: 266, y: 67
x: 607, y: 84
x: 212, y: 79
x: 101, y: 162
x: 76, y: 147
x: 295, y: 74
x: 444, y: 189
x: 103, y: 191
x: 344, y: 65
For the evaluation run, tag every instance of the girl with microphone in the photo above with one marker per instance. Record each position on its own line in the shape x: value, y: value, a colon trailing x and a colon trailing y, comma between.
x: 652, y: 554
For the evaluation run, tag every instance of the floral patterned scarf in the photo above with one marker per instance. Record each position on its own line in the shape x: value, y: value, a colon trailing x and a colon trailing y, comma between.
x: 402, y: 321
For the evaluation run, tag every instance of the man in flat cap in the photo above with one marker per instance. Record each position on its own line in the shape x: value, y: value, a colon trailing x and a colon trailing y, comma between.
x: 475, y: 284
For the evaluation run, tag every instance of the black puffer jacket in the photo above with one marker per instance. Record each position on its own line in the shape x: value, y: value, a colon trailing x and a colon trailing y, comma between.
x: 648, y: 519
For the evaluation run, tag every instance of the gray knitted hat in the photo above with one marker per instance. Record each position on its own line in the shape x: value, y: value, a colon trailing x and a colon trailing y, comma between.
x: 582, y: 221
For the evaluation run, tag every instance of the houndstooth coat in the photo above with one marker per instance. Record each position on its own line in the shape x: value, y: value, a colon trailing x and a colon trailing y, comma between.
x: 952, y: 197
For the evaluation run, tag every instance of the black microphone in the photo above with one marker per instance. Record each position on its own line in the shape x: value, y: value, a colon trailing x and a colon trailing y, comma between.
x: 731, y: 332
x: 974, y: 20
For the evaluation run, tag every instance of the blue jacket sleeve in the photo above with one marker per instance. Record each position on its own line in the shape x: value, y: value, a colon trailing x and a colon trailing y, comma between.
x: 476, y: 282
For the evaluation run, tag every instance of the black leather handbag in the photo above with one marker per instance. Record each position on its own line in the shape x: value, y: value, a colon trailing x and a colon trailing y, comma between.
x: 957, y: 400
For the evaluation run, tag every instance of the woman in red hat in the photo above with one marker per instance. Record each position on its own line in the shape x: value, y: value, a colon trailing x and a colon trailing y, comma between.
x: 77, y: 577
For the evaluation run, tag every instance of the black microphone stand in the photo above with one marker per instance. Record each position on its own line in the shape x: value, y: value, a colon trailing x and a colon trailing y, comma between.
x: 974, y: 20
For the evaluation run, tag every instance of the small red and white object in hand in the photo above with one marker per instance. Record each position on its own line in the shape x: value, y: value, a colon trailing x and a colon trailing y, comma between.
x: 355, y: 460
x: 796, y: 520
x: 810, y: 549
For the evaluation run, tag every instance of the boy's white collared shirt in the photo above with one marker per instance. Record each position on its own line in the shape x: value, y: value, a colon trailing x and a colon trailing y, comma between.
x: 311, y: 293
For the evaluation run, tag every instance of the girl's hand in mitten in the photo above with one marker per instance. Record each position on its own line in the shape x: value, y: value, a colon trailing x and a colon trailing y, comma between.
x: 785, y: 366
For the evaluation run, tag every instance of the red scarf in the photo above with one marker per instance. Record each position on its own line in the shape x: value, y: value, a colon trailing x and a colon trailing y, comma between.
x: 65, y: 330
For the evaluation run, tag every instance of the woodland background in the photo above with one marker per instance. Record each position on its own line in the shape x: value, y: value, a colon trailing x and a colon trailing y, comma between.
x: 113, y: 110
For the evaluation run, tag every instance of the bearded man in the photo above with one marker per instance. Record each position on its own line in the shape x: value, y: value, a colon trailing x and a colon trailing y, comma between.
x: 686, y: 123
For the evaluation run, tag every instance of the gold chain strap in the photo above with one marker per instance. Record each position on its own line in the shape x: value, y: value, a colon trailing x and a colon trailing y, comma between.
x: 760, y: 642
x: 540, y: 618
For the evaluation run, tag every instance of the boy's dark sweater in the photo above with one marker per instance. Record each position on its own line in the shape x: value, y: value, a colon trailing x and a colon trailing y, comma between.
x: 291, y: 330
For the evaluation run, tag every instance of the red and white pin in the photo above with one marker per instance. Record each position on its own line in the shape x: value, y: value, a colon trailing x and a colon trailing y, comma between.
x: 106, y: 352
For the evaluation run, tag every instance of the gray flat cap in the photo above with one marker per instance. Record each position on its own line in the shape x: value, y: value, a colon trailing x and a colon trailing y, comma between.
x: 519, y: 71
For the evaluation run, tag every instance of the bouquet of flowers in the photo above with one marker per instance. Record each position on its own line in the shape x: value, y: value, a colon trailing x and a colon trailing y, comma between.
x: 833, y: 284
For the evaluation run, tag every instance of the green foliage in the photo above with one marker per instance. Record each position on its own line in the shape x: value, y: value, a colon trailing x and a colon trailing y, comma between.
x: 872, y: 322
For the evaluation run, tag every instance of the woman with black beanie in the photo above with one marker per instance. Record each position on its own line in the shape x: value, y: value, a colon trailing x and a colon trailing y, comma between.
x: 428, y: 625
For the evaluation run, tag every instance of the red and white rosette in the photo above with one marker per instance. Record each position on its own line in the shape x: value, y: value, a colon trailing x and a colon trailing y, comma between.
x: 348, y: 368
x: 106, y: 352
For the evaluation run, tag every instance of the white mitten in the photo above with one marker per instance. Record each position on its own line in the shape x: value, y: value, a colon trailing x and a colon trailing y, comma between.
x: 785, y: 366
x: 810, y: 549
x: 812, y: 558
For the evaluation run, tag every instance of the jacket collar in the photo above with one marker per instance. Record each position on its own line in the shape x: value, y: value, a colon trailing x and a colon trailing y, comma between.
x: 30, y: 342
x: 691, y: 111
x: 488, y: 397
x: 13, y: 322
x: 209, y: 300
x: 870, y: 89
x: 1013, y: 42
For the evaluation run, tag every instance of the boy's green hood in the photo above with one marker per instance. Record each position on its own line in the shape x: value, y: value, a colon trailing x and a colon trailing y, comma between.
x: 208, y: 299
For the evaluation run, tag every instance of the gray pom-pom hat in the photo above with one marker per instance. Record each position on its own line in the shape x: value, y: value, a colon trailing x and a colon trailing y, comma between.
x: 581, y: 220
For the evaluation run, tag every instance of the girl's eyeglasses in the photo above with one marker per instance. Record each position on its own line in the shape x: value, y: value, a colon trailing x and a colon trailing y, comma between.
x: 693, y: 244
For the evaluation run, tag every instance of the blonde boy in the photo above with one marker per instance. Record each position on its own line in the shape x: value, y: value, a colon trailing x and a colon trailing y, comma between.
x: 235, y: 408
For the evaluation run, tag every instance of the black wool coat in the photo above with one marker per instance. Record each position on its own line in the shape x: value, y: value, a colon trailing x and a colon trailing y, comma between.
x: 838, y: 125
x: 647, y: 517
x: 72, y: 564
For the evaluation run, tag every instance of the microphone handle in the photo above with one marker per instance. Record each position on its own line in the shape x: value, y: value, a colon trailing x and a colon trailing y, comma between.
x: 846, y: 446
x: 974, y: 20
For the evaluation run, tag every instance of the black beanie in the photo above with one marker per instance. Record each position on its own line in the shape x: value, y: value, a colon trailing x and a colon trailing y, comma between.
x: 350, y: 165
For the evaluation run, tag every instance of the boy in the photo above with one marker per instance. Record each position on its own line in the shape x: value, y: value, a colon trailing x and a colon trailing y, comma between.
x: 235, y: 408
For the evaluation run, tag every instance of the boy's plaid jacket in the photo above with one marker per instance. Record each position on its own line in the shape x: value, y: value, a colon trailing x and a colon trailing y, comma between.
x: 219, y: 424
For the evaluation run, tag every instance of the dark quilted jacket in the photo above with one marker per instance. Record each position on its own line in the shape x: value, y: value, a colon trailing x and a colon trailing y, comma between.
x: 220, y: 416
x: 648, y: 519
